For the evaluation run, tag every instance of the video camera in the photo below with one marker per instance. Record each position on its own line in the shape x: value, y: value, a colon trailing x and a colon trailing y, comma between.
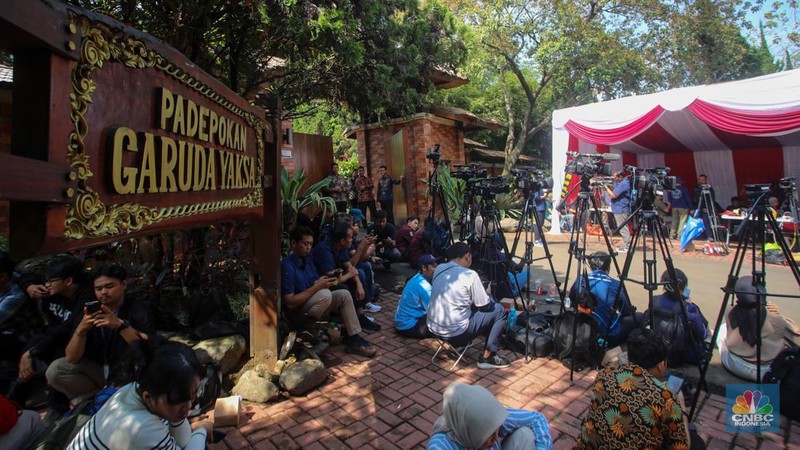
x: 787, y: 184
x: 530, y: 179
x: 590, y: 164
x: 434, y: 154
x: 488, y: 187
x: 602, y: 181
x: 654, y: 179
x: 468, y: 172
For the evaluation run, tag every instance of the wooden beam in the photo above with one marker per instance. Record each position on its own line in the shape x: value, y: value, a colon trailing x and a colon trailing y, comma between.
x: 26, y: 179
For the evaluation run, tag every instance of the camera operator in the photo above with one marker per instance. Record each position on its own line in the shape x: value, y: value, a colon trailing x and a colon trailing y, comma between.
x: 679, y: 205
x: 540, y: 199
x: 619, y: 197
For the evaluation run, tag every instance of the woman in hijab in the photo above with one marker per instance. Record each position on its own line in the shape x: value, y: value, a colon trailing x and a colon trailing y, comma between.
x: 737, y: 340
x: 473, y: 419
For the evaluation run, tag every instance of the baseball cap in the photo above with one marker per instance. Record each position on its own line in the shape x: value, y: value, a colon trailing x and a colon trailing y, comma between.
x: 426, y: 260
x: 357, y: 214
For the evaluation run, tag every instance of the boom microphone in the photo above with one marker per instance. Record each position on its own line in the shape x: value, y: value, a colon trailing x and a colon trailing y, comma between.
x: 611, y: 157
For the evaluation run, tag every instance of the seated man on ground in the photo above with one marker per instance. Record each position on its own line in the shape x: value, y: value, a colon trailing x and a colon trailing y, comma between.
x: 473, y: 418
x: 19, y: 428
x: 610, y: 307
x: 668, y: 321
x: 631, y: 408
x: 461, y: 310
x: 405, y: 235
x: 335, y: 253
x: 361, y: 256
x: 303, y: 290
x: 738, y: 339
x: 385, y: 233
x: 62, y: 291
x: 106, y: 339
x: 411, y: 318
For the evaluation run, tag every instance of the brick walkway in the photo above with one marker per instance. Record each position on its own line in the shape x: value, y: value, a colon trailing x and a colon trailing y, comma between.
x: 392, y: 400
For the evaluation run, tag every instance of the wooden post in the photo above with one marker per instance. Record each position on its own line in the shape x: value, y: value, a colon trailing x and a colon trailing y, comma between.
x: 266, y: 236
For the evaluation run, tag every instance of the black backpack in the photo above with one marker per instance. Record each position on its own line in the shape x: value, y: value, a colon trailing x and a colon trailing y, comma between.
x: 588, y: 349
x: 670, y: 326
x: 785, y: 370
x: 539, y: 335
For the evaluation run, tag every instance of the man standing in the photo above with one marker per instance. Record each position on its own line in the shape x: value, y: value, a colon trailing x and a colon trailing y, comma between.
x: 103, y: 349
x: 461, y: 310
x: 680, y: 203
x: 621, y: 206
x: 540, y: 201
x: 304, y: 291
x: 631, y: 408
x: 365, y: 198
x: 411, y: 318
x: 385, y: 194
x: 338, y: 188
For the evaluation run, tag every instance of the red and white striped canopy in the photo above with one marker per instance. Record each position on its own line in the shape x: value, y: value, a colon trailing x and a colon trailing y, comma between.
x: 737, y: 133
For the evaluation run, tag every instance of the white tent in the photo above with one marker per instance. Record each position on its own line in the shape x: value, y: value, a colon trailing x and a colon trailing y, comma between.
x: 739, y: 132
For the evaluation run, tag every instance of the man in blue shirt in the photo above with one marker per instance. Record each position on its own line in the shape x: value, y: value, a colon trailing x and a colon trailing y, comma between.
x: 621, y: 206
x: 679, y: 201
x: 540, y: 200
x: 304, y: 291
x: 385, y: 194
x: 411, y: 317
x: 612, y: 310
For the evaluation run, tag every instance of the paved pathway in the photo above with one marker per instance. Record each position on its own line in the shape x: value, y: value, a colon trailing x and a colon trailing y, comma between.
x: 392, y: 400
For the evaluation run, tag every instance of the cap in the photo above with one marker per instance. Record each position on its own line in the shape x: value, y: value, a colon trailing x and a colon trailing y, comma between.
x: 427, y: 260
x: 357, y: 214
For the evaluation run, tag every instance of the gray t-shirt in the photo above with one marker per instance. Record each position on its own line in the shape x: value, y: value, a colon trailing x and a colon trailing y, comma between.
x: 455, y: 290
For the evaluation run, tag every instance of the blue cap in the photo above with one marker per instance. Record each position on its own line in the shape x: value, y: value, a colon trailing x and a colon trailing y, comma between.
x: 426, y: 260
x: 357, y: 214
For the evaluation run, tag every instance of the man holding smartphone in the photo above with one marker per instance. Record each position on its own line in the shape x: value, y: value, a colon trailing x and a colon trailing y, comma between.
x: 304, y: 291
x: 103, y: 348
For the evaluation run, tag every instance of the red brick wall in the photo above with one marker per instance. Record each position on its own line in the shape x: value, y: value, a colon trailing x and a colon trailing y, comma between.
x: 420, y: 135
x: 5, y: 146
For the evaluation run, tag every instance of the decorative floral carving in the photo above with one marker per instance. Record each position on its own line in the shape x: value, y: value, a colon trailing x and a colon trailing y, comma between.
x: 88, y: 216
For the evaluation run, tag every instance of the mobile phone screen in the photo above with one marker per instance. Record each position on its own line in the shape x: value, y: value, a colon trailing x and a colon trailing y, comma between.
x: 674, y: 384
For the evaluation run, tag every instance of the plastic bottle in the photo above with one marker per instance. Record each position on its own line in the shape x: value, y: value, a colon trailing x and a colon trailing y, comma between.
x: 567, y: 303
x: 551, y: 293
x: 512, y: 318
x: 538, y: 285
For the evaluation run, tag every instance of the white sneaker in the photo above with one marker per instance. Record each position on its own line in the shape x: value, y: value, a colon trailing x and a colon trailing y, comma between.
x: 371, y: 307
x: 622, y: 250
x: 538, y: 244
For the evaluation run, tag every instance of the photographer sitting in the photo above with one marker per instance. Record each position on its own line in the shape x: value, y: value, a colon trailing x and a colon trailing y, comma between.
x: 105, y: 341
x: 610, y: 307
x: 385, y: 234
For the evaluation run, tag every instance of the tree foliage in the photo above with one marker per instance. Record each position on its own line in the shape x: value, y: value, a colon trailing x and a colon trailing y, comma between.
x: 560, y: 53
x: 371, y: 56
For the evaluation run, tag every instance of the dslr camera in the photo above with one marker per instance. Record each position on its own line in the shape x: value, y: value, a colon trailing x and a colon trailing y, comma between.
x: 529, y: 179
x: 590, y: 164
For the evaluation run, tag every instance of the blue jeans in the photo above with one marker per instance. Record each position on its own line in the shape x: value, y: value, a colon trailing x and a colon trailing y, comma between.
x: 367, y: 277
x: 489, y: 324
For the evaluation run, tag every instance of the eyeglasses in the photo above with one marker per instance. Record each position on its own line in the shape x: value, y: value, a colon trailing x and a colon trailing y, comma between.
x: 53, y: 280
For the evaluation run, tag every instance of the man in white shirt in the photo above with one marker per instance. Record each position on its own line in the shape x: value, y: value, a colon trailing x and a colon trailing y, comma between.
x: 461, y: 309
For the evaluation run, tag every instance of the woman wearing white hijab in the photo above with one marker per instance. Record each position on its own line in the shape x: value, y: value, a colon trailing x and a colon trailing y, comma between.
x: 473, y: 419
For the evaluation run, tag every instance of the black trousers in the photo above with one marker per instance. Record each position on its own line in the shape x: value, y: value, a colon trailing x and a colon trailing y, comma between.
x: 388, y: 206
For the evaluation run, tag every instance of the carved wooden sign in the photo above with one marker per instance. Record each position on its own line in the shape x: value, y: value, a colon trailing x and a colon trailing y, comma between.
x: 152, y: 142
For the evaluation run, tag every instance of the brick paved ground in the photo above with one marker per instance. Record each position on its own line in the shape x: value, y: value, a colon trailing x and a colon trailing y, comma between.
x: 392, y: 400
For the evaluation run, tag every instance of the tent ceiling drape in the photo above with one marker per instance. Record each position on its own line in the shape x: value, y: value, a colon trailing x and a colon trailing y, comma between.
x: 712, y: 129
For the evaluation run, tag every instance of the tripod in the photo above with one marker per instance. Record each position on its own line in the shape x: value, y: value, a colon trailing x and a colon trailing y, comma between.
x: 753, y: 233
x: 433, y: 233
x: 649, y: 227
x: 585, y: 204
x: 496, y: 261
x: 706, y: 202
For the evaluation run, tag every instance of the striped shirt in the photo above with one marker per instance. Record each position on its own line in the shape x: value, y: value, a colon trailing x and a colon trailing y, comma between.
x: 124, y: 423
x: 517, y: 418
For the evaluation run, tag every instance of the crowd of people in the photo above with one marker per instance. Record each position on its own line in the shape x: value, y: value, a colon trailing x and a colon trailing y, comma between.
x: 95, y: 348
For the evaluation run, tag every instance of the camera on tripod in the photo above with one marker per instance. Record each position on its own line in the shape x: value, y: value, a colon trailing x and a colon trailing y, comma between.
x: 488, y: 187
x: 602, y: 181
x: 655, y: 179
x: 590, y: 164
x: 787, y: 184
x: 468, y: 172
x: 529, y: 179
x: 434, y: 154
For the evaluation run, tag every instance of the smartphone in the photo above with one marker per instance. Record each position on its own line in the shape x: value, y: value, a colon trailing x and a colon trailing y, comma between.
x: 92, y: 307
x: 337, y: 273
x: 675, y: 384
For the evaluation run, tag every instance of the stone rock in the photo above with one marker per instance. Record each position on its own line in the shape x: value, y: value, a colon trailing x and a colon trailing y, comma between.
x: 509, y: 224
x: 303, y: 376
x: 254, y: 388
x: 226, y: 351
